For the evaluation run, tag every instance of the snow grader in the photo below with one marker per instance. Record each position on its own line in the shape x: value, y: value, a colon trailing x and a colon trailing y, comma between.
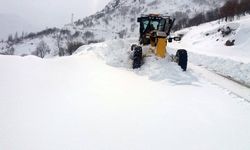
x: 154, y: 36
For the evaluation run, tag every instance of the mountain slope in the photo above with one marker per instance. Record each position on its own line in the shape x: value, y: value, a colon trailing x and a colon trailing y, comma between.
x: 206, y: 45
x: 116, y: 20
x: 119, y: 16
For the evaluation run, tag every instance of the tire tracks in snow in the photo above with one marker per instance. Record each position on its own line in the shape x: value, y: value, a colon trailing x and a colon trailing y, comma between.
x: 222, y: 81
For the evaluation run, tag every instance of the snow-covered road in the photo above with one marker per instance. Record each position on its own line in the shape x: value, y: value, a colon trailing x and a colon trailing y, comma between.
x: 81, y: 102
x: 224, y: 82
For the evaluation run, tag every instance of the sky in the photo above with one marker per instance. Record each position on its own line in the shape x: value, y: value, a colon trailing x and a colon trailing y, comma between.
x: 39, y: 14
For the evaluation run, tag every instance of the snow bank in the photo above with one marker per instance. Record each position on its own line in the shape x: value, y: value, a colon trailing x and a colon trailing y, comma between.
x: 237, y: 71
x: 116, y: 53
x: 205, y: 39
x: 207, y: 48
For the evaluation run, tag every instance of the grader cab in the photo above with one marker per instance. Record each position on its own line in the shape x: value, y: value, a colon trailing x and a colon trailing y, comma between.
x: 154, y: 35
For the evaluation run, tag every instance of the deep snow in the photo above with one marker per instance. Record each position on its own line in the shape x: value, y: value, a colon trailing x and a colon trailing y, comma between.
x: 206, y: 47
x: 93, y: 100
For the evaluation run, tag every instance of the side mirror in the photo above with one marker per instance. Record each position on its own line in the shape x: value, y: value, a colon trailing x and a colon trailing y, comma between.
x: 170, y: 40
x: 177, y: 38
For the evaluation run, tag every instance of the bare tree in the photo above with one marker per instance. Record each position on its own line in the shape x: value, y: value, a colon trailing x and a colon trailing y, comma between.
x: 58, y: 43
x: 16, y: 36
x: 10, y: 51
x: 10, y: 38
x: 42, y: 49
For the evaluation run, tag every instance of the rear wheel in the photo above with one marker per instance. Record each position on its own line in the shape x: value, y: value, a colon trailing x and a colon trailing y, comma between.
x: 137, y: 57
x: 182, y: 59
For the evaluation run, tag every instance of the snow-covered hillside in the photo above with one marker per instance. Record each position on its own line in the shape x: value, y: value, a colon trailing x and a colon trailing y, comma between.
x: 92, y: 100
x: 116, y: 20
x: 119, y: 17
x: 206, y: 46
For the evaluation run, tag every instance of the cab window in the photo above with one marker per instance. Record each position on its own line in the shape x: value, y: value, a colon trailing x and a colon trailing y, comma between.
x: 154, y: 25
x: 162, y: 25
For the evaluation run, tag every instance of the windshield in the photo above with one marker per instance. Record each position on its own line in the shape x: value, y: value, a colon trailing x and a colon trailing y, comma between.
x: 150, y: 25
x: 162, y: 25
x: 147, y: 26
x: 154, y: 25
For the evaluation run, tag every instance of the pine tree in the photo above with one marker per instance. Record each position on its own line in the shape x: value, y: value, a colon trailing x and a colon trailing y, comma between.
x: 10, y: 38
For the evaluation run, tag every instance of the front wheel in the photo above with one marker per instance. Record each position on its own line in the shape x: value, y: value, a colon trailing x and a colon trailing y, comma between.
x: 137, y: 57
x: 182, y: 58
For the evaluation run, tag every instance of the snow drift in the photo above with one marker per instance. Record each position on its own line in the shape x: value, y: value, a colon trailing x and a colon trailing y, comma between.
x: 206, y: 46
x: 80, y: 102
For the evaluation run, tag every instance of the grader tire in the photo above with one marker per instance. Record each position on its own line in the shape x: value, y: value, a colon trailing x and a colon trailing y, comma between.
x: 182, y: 59
x: 137, y: 57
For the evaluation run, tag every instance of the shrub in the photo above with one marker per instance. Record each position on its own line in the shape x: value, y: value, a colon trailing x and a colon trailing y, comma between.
x: 122, y: 33
x: 73, y: 46
x: 95, y: 41
x: 226, y: 32
x: 76, y: 34
x: 230, y: 43
x: 88, y: 35
x: 10, y: 51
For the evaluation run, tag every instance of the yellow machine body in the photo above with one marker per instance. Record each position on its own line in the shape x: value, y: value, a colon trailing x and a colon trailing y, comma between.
x: 155, y: 35
x: 160, y: 49
x: 158, y: 45
x: 154, y: 31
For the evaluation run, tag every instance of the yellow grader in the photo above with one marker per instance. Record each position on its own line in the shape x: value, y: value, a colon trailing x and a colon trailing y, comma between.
x: 154, y: 36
